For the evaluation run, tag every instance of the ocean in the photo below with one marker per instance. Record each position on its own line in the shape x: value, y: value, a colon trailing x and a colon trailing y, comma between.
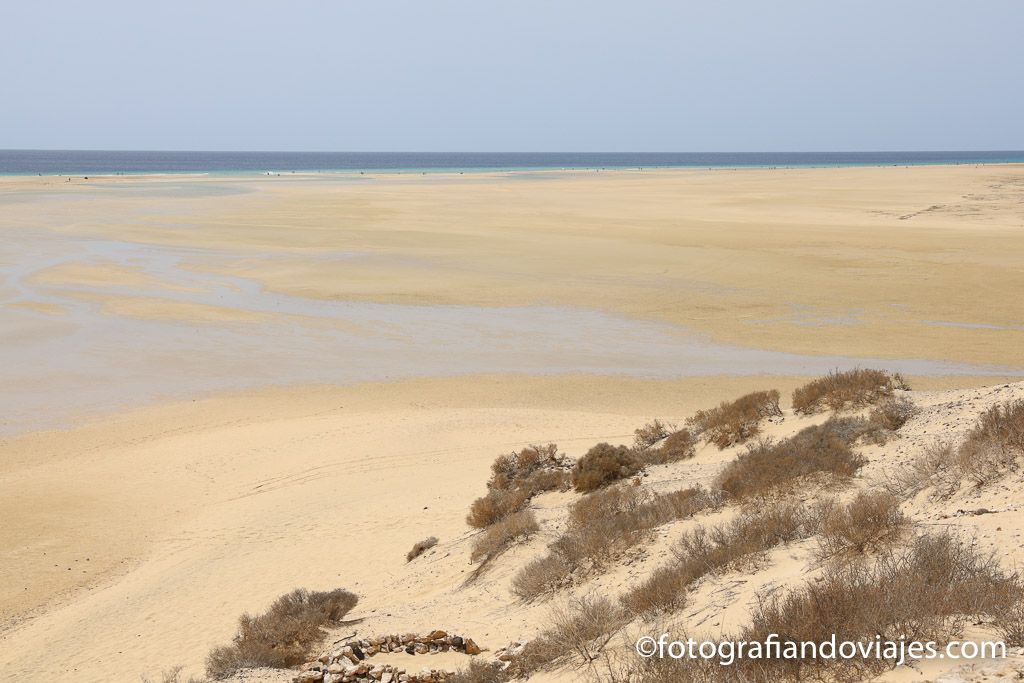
x: 85, y: 162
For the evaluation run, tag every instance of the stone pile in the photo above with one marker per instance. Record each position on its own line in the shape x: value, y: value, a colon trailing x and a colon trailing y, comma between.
x: 348, y: 663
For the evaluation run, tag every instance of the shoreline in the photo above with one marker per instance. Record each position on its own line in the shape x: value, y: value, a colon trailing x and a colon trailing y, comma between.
x: 369, y: 171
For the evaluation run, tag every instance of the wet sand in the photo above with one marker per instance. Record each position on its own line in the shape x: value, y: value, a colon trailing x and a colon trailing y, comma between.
x: 119, y: 291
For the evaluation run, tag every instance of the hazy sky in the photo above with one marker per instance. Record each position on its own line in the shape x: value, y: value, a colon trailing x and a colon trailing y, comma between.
x: 519, y: 75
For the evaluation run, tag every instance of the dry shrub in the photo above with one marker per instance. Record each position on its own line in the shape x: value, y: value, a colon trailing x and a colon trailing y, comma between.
x: 935, y: 464
x: 501, y: 536
x: 540, y: 576
x: 602, y: 526
x: 869, y: 522
x: 735, y: 422
x: 651, y: 433
x: 509, y: 471
x: 677, y: 446
x: 1009, y: 621
x: 172, y: 675
x: 993, y: 448
x: 855, y: 388
x: 703, y: 551
x: 582, y: 627
x: 515, y: 479
x: 497, y: 504
x: 927, y: 592
x: 480, y: 671
x: 768, y: 465
x: 282, y: 636
x: 995, y: 445
x: 602, y: 465
x: 420, y: 548
x: 893, y: 412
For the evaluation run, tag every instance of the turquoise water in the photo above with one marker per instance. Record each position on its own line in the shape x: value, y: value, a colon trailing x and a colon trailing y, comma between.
x: 84, y: 162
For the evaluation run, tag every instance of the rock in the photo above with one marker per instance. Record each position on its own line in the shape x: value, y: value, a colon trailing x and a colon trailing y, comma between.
x: 309, y: 677
x: 336, y: 669
x: 437, y: 635
x: 421, y: 649
x: 472, y: 648
x: 386, y: 677
x: 358, y: 653
x: 457, y: 641
x: 410, y: 650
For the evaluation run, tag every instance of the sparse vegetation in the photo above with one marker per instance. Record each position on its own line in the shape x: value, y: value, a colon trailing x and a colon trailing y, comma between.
x: 499, y: 537
x: 927, y: 592
x: 678, y: 445
x: 769, y: 465
x: 993, y: 448
x: 515, y: 479
x: 735, y: 422
x: 651, y: 433
x: 893, y: 412
x: 496, y: 505
x: 480, y: 671
x: 602, y: 465
x: 855, y: 388
x: 513, y: 470
x: 995, y: 445
x: 869, y: 522
x: 282, y: 636
x: 703, y: 551
x: 420, y: 548
x: 582, y: 628
x: 602, y: 526
x: 172, y: 675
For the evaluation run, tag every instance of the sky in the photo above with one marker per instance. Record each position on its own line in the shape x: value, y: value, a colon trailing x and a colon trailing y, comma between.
x: 519, y: 75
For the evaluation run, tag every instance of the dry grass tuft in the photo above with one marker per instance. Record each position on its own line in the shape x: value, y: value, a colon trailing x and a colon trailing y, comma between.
x: 868, y: 523
x: 768, y: 465
x: 991, y: 450
x: 926, y: 593
x: 602, y: 526
x: 602, y: 465
x: 172, y: 675
x: 282, y: 636
x: 703, y: 551
x: 651, y: 433
x: 540, y: 576
x: 480, y: 671
x: 735, y: 422
x: 420, y: 548
x: 855, y: 388
x: 498, y: 538
x: 893, y: 412
x: 582, y: 627
x: 679, y: 445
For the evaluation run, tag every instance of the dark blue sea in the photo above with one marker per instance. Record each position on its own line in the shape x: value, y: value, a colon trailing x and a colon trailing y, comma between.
x: 83, y: 162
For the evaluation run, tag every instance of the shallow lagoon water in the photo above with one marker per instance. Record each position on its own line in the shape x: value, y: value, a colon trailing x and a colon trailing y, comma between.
x: 68, y: 349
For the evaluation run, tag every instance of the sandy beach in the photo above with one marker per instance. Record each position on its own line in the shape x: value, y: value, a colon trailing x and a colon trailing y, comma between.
x: 219, y: 388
